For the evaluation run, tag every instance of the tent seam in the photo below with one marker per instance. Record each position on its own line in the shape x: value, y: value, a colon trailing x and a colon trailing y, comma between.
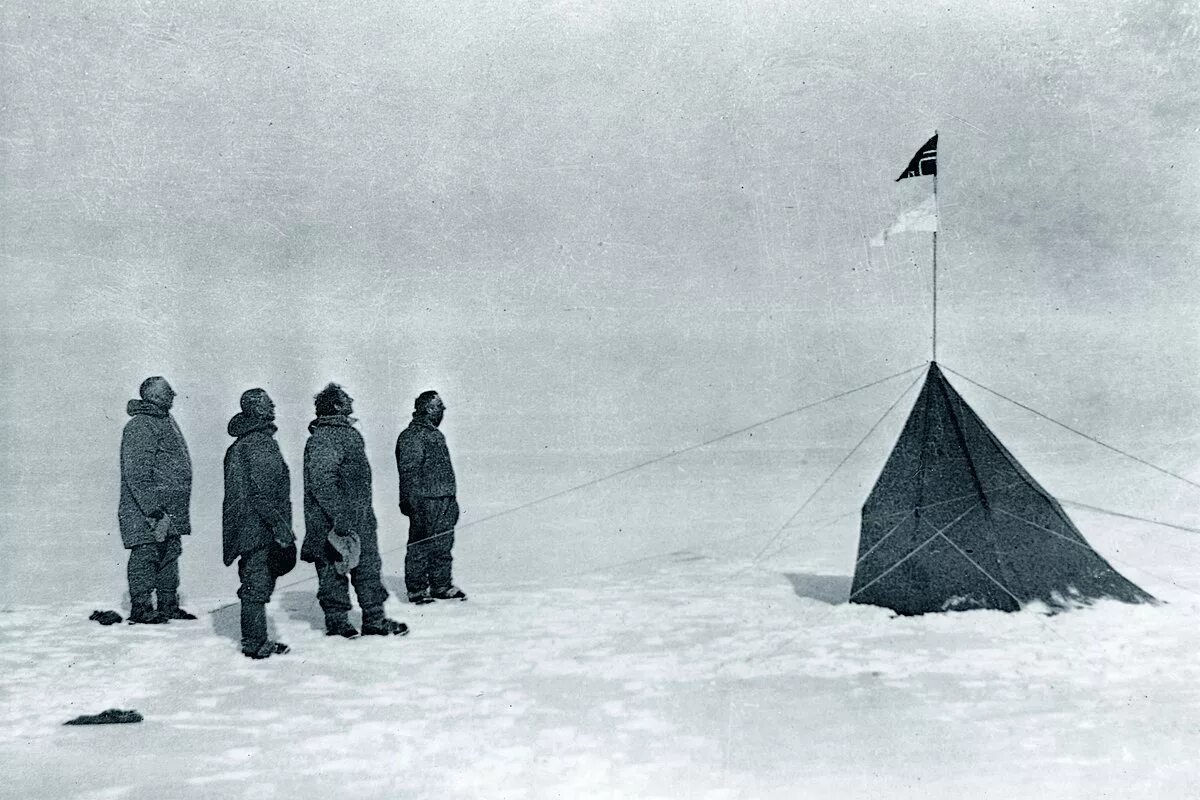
x: 913, y: 552
x: 981, y: 569
x: 1004, y: 488
x: 1032, y: 524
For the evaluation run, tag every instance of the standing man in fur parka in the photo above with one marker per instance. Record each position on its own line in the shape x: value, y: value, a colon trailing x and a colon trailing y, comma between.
x: 340, y: 535
x: 154, y: 510
x: 427, y: 498
x: 256, y: 516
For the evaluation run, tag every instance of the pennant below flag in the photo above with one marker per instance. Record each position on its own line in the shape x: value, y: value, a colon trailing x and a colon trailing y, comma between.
x: 924, y: 162
x: 919, y: 218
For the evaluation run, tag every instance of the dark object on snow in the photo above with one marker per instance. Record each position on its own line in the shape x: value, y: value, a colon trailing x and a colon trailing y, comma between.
x: 112, y: 716
x: 420, y: 598
x: 955, y: 522
x: 385, y: 627
x: 106, y: 617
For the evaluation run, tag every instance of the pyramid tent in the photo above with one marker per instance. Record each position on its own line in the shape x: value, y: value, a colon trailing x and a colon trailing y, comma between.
x: 955, y: 522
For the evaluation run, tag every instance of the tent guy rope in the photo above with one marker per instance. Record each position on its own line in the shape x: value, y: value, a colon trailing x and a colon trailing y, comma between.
x: 840, y: 464
x: 1092, y: 439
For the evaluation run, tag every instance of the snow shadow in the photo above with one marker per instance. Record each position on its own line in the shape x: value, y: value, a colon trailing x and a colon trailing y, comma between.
x: 829, y: 589
x: 227, y: 621
x: 396, y: 588
x: 303, y: 607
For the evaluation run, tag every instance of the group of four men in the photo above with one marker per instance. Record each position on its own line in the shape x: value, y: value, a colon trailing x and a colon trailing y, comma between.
x: 340, y: 537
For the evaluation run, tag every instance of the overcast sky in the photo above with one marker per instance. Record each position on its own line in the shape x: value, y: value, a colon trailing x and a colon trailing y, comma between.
x: 592, y: 226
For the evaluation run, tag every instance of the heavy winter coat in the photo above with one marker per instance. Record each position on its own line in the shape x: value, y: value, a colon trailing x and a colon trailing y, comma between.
x: 156, y: 474
x: 423, y: 463
x: 258, y: 501
x: 337, y: 485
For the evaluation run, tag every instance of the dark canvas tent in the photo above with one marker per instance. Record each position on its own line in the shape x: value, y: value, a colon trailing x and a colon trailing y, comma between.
x: 955, y: 522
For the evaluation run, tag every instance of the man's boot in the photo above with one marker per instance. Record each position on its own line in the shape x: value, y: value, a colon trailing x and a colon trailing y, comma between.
x: 142, y: 612
x: 255, y: 643
x: 420, y: 598
x: 168, y: 606
x: 338, y: 625
x: 376, y: 623
x: 448, y: 593
x: 267, y: 649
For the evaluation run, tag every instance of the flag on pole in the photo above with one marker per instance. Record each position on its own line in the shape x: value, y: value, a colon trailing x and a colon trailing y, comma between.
x: 922, y: 217
x: 923, y: 163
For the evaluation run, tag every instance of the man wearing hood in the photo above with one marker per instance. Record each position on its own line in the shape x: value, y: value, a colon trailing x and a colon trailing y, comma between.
x: 156, y: 493
x: 427, y: 498
x: 257, y: 515
x: 340, y: 536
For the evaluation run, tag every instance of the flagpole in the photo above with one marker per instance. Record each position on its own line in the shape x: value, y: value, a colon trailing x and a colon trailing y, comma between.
x: 916, y: 218
x: 935, y: 233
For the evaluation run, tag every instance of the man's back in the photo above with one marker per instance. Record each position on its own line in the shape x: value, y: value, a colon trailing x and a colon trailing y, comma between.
x: 423, y: 463
x: 337, y: 483
x: 156, y: 472
x: 257, y: 488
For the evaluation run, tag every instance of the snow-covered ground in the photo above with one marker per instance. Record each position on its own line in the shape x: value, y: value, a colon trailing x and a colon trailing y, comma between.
x: 698, y: 675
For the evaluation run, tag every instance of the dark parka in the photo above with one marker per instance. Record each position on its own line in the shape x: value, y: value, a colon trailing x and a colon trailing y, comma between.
x: 156, y: 474
x: 337, y: 485
x: 258, y: 501
x: 423, y: 463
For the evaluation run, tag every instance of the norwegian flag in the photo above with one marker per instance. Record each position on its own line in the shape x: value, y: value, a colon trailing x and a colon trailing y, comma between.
x: 923, y: 163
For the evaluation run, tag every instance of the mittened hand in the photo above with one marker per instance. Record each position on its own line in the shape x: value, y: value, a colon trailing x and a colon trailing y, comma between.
x: 348, y: 548
x: 161, y: 527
